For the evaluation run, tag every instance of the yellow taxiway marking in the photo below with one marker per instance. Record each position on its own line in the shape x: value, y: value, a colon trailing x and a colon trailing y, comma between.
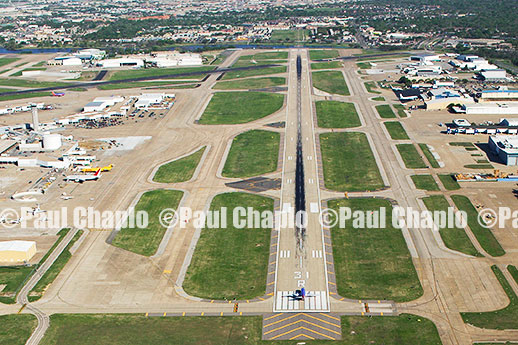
x: 22, y: 308
x: 270, y: 294
x: 332, y: 283
x: 202, y: 313
x: 240, y: 313
x: 327, y: 322
x: 272, y: 272
x: 307, y: 329
x: 302, y: 335
x: 274, y: 253
x: 381, y: 313
x: 273, y: 316
x: 165, y: 314
x: 247, y: 301
x: 167, y: 271
x: 329, y: 272
x: 286, y: 318
x: 221, y: 314
x: 363, y: 313
x: 212, y: 301
x: 262, y: 299
x: 270, y: 283
x: 183, y: 314
x: 308, y: 322
x: 229, y: 302
x: 331, y: 317
x: 147, y: 314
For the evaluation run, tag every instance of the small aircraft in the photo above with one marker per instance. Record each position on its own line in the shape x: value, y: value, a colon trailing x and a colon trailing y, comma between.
x: 299, y: 295
x: 83, y: 178
x: 58, y: 94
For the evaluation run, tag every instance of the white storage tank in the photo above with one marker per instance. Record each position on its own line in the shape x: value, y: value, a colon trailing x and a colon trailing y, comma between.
x: 51, y: 141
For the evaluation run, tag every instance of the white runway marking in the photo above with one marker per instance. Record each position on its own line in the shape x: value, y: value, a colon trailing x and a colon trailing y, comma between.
x: 316, y: 253
x: 284, y: 254
x: 314, y: 301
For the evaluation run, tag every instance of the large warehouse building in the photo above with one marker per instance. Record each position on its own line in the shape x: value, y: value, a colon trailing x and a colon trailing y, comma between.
x: 505, y: 147
x: 17, y: 251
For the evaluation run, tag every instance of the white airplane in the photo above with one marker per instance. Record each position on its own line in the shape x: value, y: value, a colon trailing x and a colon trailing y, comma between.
x: 83, y: 178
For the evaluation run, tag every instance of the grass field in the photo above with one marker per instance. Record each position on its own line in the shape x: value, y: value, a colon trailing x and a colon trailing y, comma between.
x: 348, y: 162
x: 462, y: 143
x: 429, y: 156
x: 141, y: 84
x: 25, y: 95
x: 154, y: 72
x: 254, y: 72
x: 400, y: 110
x: 7, y: 60
x: 514, y: 272
x: 234, y: 260
x: 318, y: 54
x: 454, y: 238
x: 16, y: 329
x: 252, y: 83
x: 363, y: 65
x: 53, y: 271
x: 506, y: 318
x: 484, y: 235
x: 362, y: 272
x: 335, y: 114
x: 396, y: 130
x: 30, y: 83
x: 146, y: 241
x: 410, y: 156
x: 240, y: 107
x: 244, y: 62
x: 252, y: 153
x: 266, y: 56
x: 179, y: 170
x: 385, y: 111
x: 379, y: 99
x: 136, y: 329
x: 479, y: 166
x: 425, y: 182
x: 330, y: 82
x: 449, y: 182
x: 297, y: 35
x: 371, y: 87
x: 326, y: 65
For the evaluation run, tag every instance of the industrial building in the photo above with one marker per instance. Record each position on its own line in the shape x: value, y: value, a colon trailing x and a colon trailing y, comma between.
x: 121, y: 62
x: 172, y: 59
x: 90, y: 54
x: 490, y: 108
x: 498, y: 95
x: 505, y: 147
x: 493, y: 75
x: 101, y: 103
x: 425, y: 58
x: 17, y: 251
x: 147, y: 99
x: 444, y: 102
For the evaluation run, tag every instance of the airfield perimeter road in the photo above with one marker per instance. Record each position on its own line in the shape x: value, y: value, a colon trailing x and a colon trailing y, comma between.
x: 101, y: 278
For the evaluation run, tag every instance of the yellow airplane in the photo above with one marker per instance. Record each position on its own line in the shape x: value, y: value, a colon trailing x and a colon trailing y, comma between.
x: 94, y: 169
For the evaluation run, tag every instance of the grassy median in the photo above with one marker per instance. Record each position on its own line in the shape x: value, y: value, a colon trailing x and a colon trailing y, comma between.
x: 16, y: 329
x: 179, y: 170
x: 372, y: 263
x: 410, y: 156
x: 425, y: 182
x: 385, y: 111
x: 429, y: 156
x: 449, y: 182
x: 318, y: 54
x: 118, y: 329
x: 252, y: 153
x: 146, y: 241
x: 330, y: 82
x: 334, y: 114
x: 483, y: 234
x: 396, y: 130
x: 348, y: 162
x: 454, y: 238
x: 254, y: 72
x: 252, y: 83
x: 229, y: 262
x: 240, y: 107
x: 158, y: 72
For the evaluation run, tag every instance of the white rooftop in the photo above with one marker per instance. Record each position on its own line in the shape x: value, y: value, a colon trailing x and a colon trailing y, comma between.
x: 16, y: 246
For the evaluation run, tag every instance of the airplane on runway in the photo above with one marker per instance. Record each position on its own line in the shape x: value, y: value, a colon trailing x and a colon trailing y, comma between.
x: 58, y: 94
x: 299, y: 295
x: 83, y: 178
